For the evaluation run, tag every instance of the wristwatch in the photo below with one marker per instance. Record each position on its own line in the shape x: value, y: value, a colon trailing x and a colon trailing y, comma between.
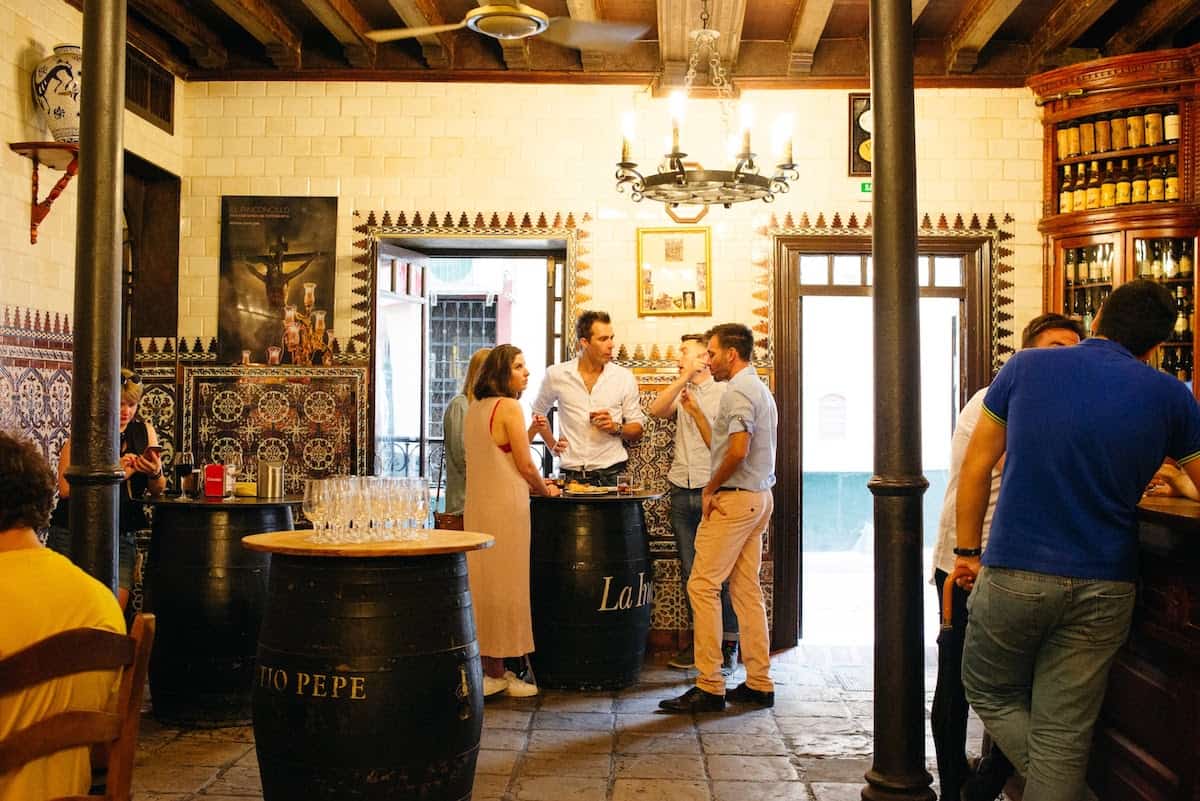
x: 968, y: 551
x: 620, y: 428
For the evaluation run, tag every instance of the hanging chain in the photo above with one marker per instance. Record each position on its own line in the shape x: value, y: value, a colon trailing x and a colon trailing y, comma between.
x: 704, y: 17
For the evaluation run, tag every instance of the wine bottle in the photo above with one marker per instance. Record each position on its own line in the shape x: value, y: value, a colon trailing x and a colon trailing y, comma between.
x: 1106, y: 265
x: 1171, y: 180
x: 1108, y: 187
x: 1136, y: 122
x: 1124, y: 184
x: 1183, y: 327
x: 1069, y: 267
x: 1170, y: 360
x: 1104, y: 133
x: 1060, y: 139
x: 1093, y: 264
x: 1156, y: 270
x: 1072, y: 138
x: 1155, y: 182
x: 1065, y: 191
x: 1089, y: 314
x: 1138, y: 185
x: 1154, y: 126
x: 1184, y: 370
x: 1185, y: 258
x: 1171, y: 125
x: 1141, y: 258
x: 1120, y: 131
x: 1087, y: 137
x: 1079, y: 190
x: 1092, y: 193
x: 1170, y: 264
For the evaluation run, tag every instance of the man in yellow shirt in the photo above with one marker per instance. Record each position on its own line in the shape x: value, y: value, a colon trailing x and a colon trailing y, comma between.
x: 42, y: 594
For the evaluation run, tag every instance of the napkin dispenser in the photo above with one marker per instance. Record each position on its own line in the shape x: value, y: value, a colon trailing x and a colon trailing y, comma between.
x: 270, y: 479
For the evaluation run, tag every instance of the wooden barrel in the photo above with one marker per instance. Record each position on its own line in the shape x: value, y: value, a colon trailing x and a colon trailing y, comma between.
x: 208, y: 593
x: 369, y: 683
x: 591, y: 590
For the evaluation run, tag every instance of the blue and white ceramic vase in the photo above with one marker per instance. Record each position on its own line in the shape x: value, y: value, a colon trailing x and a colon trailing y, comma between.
x: 56, y: 91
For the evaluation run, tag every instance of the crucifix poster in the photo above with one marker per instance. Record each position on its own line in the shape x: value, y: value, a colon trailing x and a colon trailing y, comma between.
x: 277, y: 271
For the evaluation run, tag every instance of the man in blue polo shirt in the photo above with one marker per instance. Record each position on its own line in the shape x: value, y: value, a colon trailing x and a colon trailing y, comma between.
x: 1084, y: 429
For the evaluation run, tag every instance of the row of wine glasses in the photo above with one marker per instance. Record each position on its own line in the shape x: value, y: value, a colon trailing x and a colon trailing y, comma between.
x: 356, y: 509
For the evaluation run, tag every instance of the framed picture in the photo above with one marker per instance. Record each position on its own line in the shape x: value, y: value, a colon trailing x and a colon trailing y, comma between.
x: 276, y: 287
x: 860, y: 134
x: 674, y: 271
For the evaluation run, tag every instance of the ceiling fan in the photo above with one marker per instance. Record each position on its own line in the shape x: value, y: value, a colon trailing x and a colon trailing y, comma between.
x: 518, y: 21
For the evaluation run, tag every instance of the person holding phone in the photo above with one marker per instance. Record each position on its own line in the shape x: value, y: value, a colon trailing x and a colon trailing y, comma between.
x: 141, y: 459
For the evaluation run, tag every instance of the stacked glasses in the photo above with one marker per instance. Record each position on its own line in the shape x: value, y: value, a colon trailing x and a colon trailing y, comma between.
x: 357, y: 509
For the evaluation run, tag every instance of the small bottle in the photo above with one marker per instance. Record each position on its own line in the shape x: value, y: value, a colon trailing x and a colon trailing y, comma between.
x: 1171, y: 180
x: 1171, y: 125
x: 1108, y: 187
x: 1092, y: 193
x: 1065, y: 191
x: 1104, y: 133
x: 1079, y: 190
x: 1156, y: 182
x: 1124, y: 184
x: 1087, y: 137
x: 1138, y: 187
x: 1072, y: 138
x: 1135, y: 121
x: 1120, y: 131
x: 1154, y: 126
x: 1185, y: 258
x: 1069, y: 267
x: 1183, y: 327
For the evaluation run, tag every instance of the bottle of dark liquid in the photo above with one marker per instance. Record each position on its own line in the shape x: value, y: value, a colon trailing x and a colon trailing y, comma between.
x: 1108, y: 187
x: 1124, y: 190
x: 1069, y: 267
x: 1183, y: 369
x: 1156, y: 182
x: 1169, y: 361
x: 1079, y: 309
x: 1171, y: 180
x: 1138, y: 186
x: 1092, y: 193
x: 1065, y: 191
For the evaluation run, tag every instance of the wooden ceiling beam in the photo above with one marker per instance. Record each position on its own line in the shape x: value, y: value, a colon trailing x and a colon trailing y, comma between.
x: 585, y: 11
x: 347, y: 24
x: 1063, y: 25
x: 975, y: 26
x: 148, y: 42
x: 179, y: 22
x: 438, y: 48
x: 676, y: 21
x: 807, y: 27
x: 262, y: 20
x: 1155, y: 18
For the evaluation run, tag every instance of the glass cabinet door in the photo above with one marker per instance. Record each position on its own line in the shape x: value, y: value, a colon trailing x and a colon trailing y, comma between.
x: 1170, y: 261
x: 1088, y: 268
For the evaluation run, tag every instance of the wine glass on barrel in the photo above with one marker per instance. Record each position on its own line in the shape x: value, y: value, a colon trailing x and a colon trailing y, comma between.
x: 315, y: 506
x: 185, y: 462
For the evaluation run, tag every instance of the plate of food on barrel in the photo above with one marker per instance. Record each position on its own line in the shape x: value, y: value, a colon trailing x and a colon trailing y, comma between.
x: 575, y: 489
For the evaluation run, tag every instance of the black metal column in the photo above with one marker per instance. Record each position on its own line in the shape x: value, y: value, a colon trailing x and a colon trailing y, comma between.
x: 95, y: 386
x: 898, y: 769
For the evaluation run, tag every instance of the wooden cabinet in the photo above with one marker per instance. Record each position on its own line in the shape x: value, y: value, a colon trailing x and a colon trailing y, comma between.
x: 1101, y: 121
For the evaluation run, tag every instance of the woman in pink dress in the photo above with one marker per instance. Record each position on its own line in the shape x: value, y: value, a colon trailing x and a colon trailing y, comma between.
x: 501, y: 475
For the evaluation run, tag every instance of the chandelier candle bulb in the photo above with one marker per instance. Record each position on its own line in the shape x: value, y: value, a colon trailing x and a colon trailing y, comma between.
x: 624, y: 149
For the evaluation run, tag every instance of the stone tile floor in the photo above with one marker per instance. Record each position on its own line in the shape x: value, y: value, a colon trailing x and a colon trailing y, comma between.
x: 815, y: 745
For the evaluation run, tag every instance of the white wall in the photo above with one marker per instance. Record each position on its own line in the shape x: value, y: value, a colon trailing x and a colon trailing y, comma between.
x: 42, y: 275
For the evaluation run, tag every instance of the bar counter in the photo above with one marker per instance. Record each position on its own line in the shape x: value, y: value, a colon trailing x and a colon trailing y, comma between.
x: 591, y: 588
x: 1147, y: 741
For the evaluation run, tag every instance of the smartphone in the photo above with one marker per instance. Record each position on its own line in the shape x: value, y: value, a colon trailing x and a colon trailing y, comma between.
x: 152, y: 451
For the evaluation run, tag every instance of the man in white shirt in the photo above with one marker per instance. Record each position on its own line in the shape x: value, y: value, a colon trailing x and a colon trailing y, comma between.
x: 949, y: 713
x: 598, y: 409
x: 698, y: 396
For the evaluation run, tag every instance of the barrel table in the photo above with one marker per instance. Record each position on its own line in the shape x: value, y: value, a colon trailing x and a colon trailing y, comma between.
x: 368, y: 683
x: 591, y: 589
x: 208, y: 594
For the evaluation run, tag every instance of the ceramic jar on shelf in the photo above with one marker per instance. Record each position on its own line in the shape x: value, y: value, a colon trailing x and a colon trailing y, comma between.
x: 56, y: 81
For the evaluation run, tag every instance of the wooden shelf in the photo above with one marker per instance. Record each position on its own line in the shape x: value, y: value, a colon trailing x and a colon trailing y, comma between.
x: 1131, y: 153
x: 61, y: 156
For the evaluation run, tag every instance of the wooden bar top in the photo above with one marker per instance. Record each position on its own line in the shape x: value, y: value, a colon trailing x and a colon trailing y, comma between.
x: 299, y: 543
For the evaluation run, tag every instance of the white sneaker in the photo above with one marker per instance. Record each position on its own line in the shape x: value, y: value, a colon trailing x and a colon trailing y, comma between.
x: 518, y: 688
x: 493, y: 686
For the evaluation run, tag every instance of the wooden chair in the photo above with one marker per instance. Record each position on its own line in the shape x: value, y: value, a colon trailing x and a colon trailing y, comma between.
x: 114, y: 733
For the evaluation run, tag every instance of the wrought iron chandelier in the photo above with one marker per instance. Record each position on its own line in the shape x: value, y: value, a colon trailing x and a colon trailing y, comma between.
x: 678, y: 183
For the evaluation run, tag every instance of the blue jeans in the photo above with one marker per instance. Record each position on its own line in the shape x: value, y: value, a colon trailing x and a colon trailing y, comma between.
x: 1035, y: 668
x: 686, y: 511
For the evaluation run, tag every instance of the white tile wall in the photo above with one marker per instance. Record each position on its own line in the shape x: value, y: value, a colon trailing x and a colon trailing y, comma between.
x: 476, y: 147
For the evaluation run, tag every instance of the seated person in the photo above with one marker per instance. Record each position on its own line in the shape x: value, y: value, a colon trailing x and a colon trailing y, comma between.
x: 42, y: 594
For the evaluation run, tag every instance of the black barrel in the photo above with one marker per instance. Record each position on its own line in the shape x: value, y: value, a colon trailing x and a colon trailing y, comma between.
x: 591, y: 591
x: 369, y: 683
x: 208, y: 593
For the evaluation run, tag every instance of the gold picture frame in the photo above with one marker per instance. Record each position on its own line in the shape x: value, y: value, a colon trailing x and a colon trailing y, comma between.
x: 674, y: 271
x: 861, y: 123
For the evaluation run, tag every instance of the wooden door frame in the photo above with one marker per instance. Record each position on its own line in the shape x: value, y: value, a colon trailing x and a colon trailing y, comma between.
x: 977, y: 251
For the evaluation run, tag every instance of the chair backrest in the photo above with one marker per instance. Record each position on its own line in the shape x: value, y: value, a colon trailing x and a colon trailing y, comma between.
x: 80, y: 651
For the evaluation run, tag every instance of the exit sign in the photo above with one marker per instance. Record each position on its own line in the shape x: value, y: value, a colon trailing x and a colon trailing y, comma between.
x: 865, y: 187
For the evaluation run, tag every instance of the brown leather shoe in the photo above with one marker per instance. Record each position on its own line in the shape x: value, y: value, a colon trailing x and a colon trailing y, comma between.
x: 694, y: 700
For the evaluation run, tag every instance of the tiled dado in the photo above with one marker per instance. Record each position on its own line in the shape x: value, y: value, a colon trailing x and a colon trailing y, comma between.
x: 35, y: 376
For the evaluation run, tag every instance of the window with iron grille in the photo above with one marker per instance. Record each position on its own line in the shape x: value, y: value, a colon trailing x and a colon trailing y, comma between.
x: 458, y: 326
x: 149, y: 90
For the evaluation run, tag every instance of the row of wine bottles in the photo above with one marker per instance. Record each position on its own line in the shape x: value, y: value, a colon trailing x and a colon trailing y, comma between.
x: 1148, y: 126
x: 1147, y: 181
x: 1086, y: 301
x: 1162, y: 258
x: 1176, y: 362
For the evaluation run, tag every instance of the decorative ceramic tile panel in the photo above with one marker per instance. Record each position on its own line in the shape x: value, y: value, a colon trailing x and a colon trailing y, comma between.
x: 35, y: 377
x: 314, y: 419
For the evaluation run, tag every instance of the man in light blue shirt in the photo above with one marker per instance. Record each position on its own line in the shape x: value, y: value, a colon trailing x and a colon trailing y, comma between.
x: 737, y: 503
